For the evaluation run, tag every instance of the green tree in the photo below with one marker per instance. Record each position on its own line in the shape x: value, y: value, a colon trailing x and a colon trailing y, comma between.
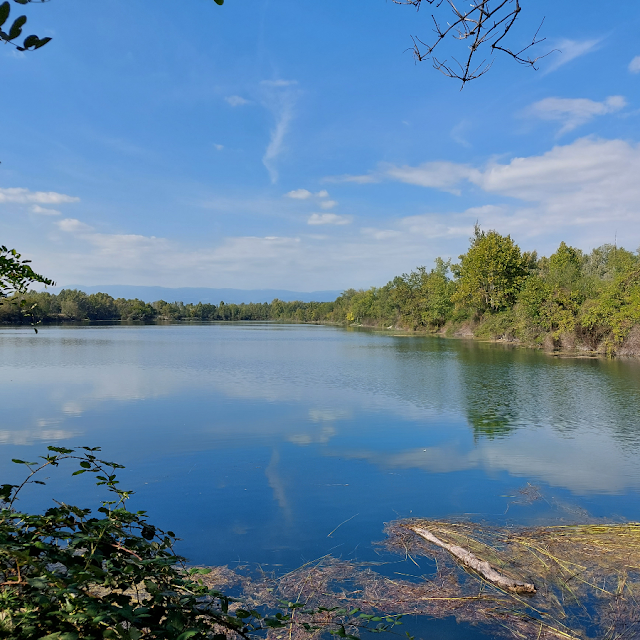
x: 551, y: 299
x: 491, y: 273
x: 135, y: 310
x: 74, y: 304
x: 616, y: 310
x: 424, y: 297
x: 101, y: 306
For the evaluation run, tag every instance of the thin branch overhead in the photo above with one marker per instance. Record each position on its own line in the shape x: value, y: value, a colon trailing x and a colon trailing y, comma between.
x: 484, y: 26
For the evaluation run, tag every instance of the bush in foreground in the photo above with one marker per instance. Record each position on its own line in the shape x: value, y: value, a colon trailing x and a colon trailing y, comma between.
x: 69, y: 574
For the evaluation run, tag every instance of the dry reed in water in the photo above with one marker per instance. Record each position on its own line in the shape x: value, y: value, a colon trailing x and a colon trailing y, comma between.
x: 587, y: 579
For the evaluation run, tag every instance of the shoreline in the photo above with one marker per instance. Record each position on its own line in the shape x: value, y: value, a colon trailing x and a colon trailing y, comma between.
x: 460, y: 332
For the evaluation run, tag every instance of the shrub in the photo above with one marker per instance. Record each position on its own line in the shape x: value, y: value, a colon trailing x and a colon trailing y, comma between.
x: 70, y: 574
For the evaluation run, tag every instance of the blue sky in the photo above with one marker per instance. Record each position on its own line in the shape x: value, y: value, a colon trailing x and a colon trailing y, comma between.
x: 292, y: 144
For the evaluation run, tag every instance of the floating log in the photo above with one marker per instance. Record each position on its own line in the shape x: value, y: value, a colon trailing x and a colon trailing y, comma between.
x: 479, y: 566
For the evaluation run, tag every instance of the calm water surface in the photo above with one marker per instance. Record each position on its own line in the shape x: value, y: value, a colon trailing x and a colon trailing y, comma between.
x: 255, y: 441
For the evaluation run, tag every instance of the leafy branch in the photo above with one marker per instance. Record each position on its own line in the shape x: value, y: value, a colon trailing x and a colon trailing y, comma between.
x: 30, y: 43
x: 15, y: 277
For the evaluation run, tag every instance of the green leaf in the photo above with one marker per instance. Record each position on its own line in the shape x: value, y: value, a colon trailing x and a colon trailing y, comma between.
x: 16, y: 27
x: 5, y: 9
x: 5, y: 491
x: 242, y: 614
x: 273, y: 624
x: 219, y: 2
x: 85, y: 465
x: 41, y: 43
x: 188, y: 634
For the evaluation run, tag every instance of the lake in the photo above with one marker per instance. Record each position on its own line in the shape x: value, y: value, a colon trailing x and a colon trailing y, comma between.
x: 278, y: 444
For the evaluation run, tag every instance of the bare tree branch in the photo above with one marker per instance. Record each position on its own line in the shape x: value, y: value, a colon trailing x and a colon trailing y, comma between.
x: 483, y: 26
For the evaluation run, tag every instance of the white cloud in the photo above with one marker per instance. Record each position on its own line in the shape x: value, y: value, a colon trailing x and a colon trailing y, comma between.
x: 457, y: 133
x: 606, y: 170
x: 305, y: 194
x: 71, y: 225
x: 586, y: 190
x: 380, y: 234
x: 568, y: 50
x: 22, y: 196
x: 280, y: 101
x: 299, y: 194
x: 364, y: 179
x: 573, y: 112
x: 436, y: 226
x: 328, y: 218
x: 581, y: 192
x: 275, y: 146
x: 634, y: 65
x: 36, y: 208
x: 279, y: 83
x: 440, y: 175
x: 127, y: 248
x: 218, y: 147
x: 236, y: 101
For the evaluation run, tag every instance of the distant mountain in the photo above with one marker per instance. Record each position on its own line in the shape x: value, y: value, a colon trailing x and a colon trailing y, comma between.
x: 204, y: 295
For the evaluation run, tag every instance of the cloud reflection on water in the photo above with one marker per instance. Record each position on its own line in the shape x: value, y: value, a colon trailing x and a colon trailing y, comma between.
x: 571, y: 424
x: 594, y: 463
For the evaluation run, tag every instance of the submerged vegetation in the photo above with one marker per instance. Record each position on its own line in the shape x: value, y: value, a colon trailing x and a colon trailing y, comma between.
x: 570, y: 300
x: 586, y: 577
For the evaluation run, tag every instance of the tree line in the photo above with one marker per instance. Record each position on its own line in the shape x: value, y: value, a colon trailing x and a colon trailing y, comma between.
x: 571, y: 299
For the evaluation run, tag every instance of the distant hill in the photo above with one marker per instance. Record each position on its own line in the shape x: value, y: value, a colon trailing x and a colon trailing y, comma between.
x: 205, y: 295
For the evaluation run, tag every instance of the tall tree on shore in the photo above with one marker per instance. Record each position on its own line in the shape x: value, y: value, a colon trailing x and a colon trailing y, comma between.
x: 491, y: 273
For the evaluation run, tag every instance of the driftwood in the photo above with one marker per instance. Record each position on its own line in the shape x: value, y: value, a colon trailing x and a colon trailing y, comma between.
x: 480, y: 566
